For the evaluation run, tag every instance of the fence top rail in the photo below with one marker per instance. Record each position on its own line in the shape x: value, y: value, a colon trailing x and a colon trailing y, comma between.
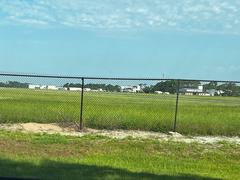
x: 110, y: 78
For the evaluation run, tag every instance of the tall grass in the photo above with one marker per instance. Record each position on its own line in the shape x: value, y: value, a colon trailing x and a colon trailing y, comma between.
x: 197, y: 115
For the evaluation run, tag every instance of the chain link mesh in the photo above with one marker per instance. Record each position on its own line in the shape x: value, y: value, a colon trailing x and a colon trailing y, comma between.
x: 132, y: 104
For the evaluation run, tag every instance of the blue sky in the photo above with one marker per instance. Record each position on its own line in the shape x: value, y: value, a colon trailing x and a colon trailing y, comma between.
x: 127, y: 38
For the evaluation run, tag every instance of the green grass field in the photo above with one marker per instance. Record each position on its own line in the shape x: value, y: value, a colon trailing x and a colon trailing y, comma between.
x: 197, y: 115
x: 95, y: 157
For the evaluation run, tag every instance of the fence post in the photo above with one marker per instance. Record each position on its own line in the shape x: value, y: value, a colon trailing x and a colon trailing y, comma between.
x: 81, y: 107
x: 176, y: 109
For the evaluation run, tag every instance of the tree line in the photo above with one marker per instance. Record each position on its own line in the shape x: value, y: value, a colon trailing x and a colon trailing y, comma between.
x: 171, y: 86
x: 13, y: 84
x: 105, y: 87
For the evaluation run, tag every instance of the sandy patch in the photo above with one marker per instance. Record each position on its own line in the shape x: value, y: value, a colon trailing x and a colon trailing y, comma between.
x: 38, y: 128
x: 55, y: 128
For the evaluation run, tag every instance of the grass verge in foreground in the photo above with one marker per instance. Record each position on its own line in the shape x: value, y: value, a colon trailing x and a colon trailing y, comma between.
x: 94, y: 157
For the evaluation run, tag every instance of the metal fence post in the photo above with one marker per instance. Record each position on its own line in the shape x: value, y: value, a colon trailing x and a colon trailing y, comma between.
x: 176, y: 109
x: 81, y: 106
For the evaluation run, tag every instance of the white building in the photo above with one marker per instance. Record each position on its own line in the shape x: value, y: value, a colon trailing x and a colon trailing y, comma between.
x: 136, y: 88
x: 31, y: 86
x: 199, y: 91
x: 204, y: 94
x: 214, y: 92
x: 78, y: 89
x: 74, y: 89
x: 132, y: 89
x: 192, y: 91
x: 52, y: 88
x: 87, y: 89
x: 43, y: 87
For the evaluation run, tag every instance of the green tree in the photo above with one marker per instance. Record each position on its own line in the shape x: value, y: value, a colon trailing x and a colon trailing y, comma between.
x: 210, y: 85
x: 166, y: 86
x: 14, y: 84
x: 148, y: 89
x: 230, y: 89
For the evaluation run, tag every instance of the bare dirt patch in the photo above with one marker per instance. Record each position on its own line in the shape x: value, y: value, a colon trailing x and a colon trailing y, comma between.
x: 55, y: 128
x: 37, y: 128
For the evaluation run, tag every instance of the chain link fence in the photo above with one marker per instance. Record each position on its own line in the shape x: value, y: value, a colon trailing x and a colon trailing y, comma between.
x: 187, y: 106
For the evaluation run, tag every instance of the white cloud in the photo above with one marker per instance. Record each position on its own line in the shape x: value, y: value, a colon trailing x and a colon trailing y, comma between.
x: 28, y: 21
x: 213, y: 16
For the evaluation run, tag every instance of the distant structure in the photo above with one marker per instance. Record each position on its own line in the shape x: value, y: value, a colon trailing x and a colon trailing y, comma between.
x: 194, y: 91
x: 85, y: 89
x: 158, y: 92
x: 200, y: 91
x: 31, y: 86
x: 55, y: 88
x: 43, y: 87
x: 74, y: 89
x: 214, y: 92
x: 52, y: 88
x: 133, y: 89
